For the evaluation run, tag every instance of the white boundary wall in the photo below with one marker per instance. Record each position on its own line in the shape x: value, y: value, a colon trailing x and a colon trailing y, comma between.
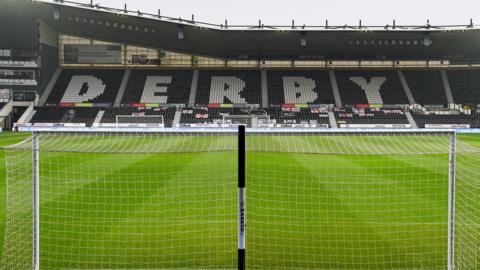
x: 253, y: 130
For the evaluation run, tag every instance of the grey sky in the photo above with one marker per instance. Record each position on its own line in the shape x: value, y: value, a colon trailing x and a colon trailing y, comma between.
x: 312, y: 12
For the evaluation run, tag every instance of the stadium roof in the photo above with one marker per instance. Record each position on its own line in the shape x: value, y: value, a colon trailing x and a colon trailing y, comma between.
x: 389, y: 42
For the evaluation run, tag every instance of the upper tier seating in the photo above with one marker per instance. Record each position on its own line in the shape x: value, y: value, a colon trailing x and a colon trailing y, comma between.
x: 86, y: 86
x: 158, y: 86
x: 370, y: 87
x: 426, y: 86
x: 233, y: 87
x: 370, y: 116
x: 465, y: 86
x: 307, y: 87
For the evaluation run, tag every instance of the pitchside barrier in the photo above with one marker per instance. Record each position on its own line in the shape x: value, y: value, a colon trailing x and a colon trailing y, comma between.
x: 180, y: 199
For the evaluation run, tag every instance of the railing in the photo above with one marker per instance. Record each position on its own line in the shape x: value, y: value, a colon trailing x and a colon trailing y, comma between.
x: 261, y: 25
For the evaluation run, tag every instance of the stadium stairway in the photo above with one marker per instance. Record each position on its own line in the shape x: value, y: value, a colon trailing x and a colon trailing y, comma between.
x: 98, y: 118
x: 177, y: 117
x: 410, y: 119
x: 51, y: 84
x: 27, y: 115
x: 193, y: 89
x: 336, y: 91
x: 123, y: 86
x: 332, y: 120
x: 446, y: 87
x: 264, y: 85
x: 406, y: 88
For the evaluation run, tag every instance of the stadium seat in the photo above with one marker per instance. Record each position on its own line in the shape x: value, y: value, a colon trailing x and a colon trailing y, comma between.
x: 465, y: 86
x: 369, y: 87
x: 443, y: 119
x: 307, y: 87
x: 65, y: 115
x: 86, y: 86
x: 158, y: 86
x: 350, y: 115
x: 426, y: 86
x: 233, y: 87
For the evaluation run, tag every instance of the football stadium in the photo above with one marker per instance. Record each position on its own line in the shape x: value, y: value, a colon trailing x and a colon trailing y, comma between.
x: 135, y: 140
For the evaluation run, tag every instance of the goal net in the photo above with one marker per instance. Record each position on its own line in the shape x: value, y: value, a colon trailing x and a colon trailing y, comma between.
x: 361, y: 201
x: 139, y: 121
x: 124, y: 201
x: 251, y: 121
x: 314, y: 200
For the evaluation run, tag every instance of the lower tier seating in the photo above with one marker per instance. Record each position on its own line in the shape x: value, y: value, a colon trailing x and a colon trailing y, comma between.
x: 370, y: 116
x: 284, y: 116
x: 445, y: 119
x: 65, y: 115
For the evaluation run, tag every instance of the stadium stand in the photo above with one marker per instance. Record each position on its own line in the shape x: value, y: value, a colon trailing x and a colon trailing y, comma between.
x: 228, y: 87
x: 158, y: 86
x: 426, y: 87
x: 86, y: 86
x: 244, y: 87
x: 363, y: 116
x: 370, y: 87
x: 465, y: 86
x: 306, y: 87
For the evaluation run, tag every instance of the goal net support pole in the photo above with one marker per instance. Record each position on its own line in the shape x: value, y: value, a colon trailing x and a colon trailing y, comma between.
x: 36, y: 201
x: 241, y: 198
x: 451, y: 202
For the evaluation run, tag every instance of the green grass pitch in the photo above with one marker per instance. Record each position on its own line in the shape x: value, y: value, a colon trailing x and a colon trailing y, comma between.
x: 178, y: 210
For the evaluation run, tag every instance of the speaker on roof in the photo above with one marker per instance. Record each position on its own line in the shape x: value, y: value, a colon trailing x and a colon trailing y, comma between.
x: 426, y: 40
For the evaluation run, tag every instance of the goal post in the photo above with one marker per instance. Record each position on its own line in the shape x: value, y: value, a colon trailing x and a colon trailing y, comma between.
x: 139, y: 121
x: 251, y: 121
x: 317, y: 199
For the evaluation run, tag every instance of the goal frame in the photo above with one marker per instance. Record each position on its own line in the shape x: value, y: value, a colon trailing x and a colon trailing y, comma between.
x: 250, y: 118
x: 242, y: 132
x: 136, y: 124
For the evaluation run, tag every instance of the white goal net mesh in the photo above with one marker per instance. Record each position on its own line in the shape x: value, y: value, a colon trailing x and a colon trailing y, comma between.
x: 314, y: 200
x: 125, y: 201
x: 358, y: 201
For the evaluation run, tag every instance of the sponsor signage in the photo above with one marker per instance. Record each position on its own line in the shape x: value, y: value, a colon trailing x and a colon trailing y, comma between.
x: 374, y: 126
x: 84, y: 105
x: 66, y: 104
x: 92, y: 54
x: 213, y: 105
x: 448, y: 126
